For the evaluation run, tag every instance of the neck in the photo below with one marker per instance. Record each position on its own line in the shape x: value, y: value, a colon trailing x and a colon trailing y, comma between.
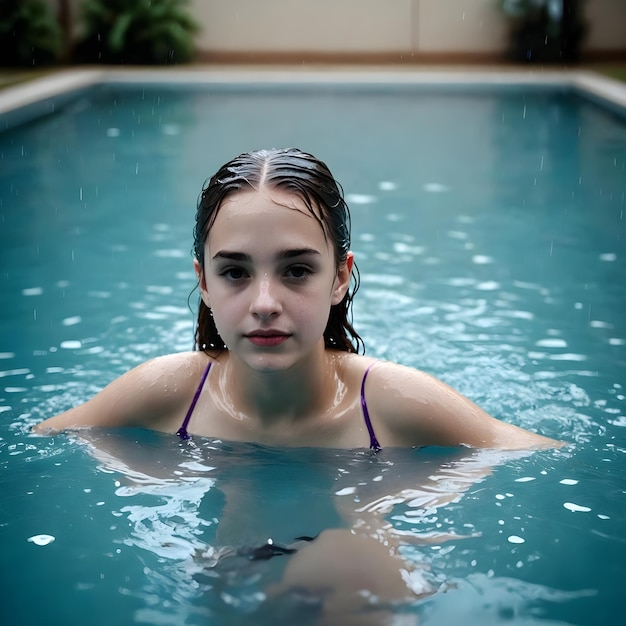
x: 291, y: 394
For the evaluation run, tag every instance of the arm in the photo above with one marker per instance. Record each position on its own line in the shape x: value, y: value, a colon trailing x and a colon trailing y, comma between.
x: 151, y: 395
x: 417, y: 409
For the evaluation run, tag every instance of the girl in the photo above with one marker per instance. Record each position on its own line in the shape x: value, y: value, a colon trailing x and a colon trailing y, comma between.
x: 277, y: 359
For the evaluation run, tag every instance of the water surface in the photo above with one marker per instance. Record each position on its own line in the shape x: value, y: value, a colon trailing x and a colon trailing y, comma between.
x: 489, y: 231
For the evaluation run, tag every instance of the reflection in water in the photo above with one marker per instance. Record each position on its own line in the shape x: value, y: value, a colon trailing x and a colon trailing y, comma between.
x: 211, y: 513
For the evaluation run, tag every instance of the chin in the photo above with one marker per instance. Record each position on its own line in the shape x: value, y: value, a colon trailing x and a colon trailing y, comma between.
x: 269, y: 362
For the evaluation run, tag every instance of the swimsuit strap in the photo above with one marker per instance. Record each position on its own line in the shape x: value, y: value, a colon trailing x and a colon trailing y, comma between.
x: 182, y: 431
x: 374, y: 445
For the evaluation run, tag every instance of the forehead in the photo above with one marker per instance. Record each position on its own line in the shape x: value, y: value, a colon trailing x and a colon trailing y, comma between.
x: 266, y: 213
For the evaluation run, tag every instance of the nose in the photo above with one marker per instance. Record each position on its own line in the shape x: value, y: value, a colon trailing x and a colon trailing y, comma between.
x: 265, y: 303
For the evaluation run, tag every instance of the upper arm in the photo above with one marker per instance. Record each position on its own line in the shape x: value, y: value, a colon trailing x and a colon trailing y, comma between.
x: 150, y: 395
x: 422, y: 410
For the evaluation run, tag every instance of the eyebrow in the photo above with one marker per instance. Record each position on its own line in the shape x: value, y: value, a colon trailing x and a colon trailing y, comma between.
x: 283, y: 254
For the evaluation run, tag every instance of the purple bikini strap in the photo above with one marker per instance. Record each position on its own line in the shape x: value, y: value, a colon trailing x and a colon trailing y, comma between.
x: 374, y: 445
x: 182, y: 431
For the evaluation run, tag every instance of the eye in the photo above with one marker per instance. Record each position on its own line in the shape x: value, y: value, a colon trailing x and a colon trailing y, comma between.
x: 233, y: 273
x: 298, y: 272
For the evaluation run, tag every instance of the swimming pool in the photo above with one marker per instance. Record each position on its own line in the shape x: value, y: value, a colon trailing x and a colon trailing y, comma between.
x: 488, y: 226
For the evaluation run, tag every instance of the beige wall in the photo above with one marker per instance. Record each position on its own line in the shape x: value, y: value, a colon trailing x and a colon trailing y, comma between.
x: 607, y: 24
x: 305, y: 25
x: 460, y: 25
x: 419, y: 27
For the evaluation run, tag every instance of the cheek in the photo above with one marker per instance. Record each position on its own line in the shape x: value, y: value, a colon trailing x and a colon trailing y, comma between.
x: 311, y: 314
x: 225, y: 306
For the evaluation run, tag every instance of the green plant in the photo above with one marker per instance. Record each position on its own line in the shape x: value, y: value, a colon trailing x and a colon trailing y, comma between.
x: 545, y: 31
x: 29, y: 34
x: 136, y: 32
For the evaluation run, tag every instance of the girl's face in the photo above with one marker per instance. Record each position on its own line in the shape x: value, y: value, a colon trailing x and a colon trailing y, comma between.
x: 270, y: 278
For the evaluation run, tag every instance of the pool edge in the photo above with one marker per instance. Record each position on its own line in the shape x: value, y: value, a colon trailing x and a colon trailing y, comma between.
x: 603, y: 90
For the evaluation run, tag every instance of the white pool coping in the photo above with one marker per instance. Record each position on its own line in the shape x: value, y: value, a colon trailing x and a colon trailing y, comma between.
x: 40, y: 89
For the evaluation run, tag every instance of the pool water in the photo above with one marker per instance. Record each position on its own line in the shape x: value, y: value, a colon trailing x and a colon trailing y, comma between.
x: 488, y: 226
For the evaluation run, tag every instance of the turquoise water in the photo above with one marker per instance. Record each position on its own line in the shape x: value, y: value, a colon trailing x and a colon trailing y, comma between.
x: 489, y: 230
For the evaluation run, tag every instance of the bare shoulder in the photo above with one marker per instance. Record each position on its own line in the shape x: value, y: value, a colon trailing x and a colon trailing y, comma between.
x: 179, y: 367
x: 412, y: 407
x: 398, y: 390
x: 150, y: 395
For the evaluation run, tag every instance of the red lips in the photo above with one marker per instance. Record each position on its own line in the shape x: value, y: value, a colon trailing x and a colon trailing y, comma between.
x: 267, y: 338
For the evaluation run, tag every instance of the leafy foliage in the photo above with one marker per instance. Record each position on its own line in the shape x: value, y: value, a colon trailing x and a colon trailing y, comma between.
x: 29, y: 33
x: 136, y: 32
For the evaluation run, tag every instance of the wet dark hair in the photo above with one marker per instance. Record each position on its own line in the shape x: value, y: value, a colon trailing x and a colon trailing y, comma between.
x: 310, y: 179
